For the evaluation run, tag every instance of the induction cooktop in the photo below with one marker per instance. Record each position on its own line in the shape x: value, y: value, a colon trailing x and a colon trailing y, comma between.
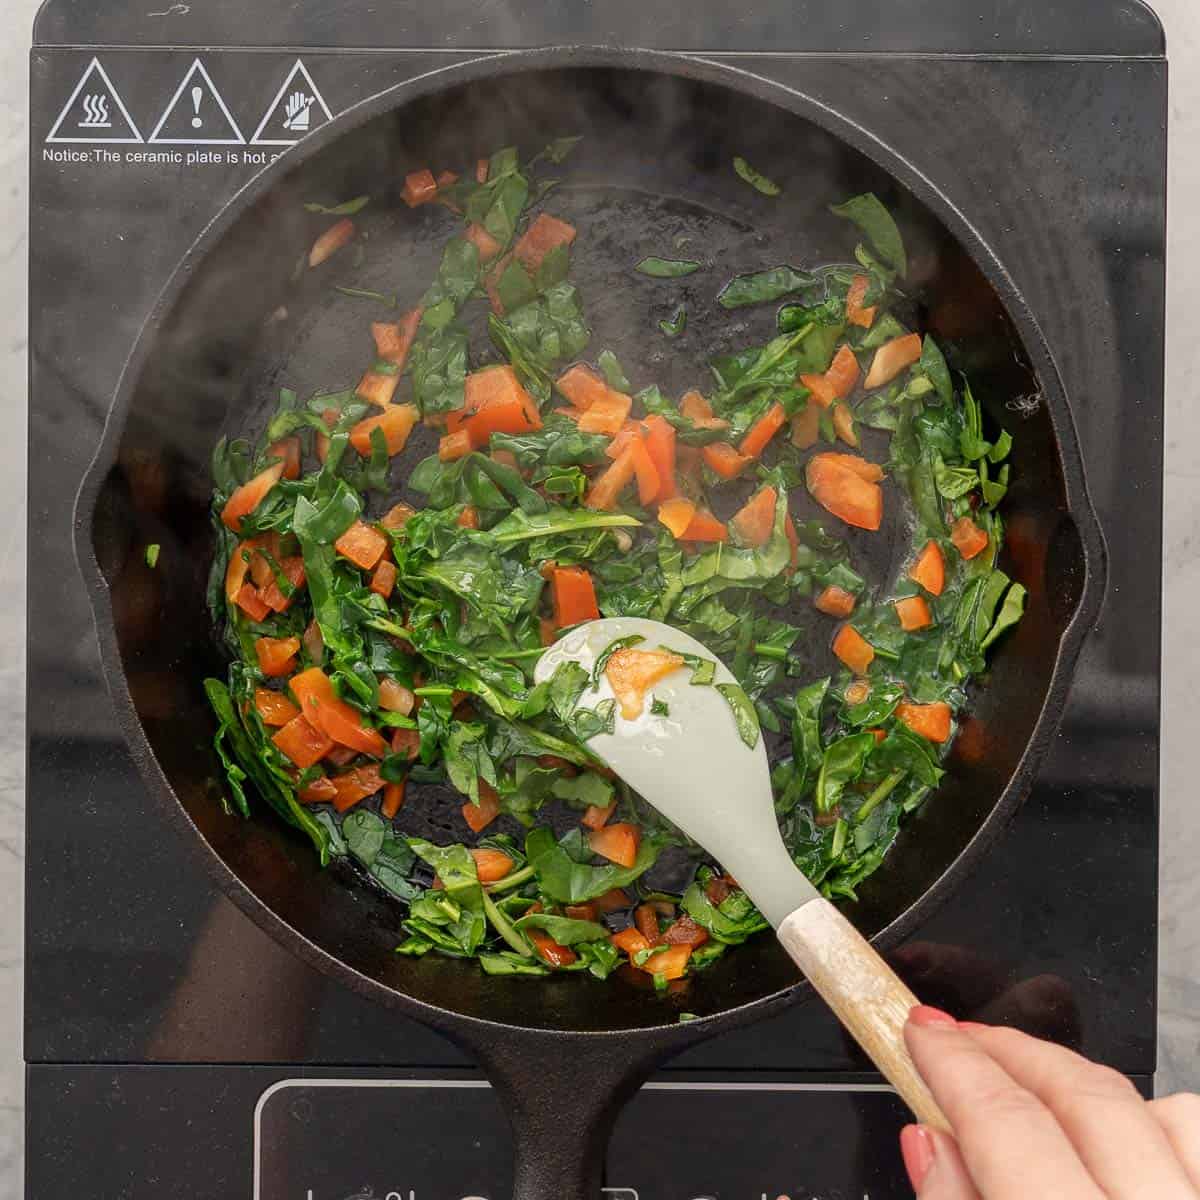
x: 172, y: 1047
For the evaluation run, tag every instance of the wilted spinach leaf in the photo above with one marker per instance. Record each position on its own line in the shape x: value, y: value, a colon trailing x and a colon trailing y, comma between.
x: 566, y: 881
x: 878, y: 226
x: 756, y: 179
x: 439, y: 370
x: 764, y: 286
x: 731, y: 922
x: 613, y: 373
x: 346, y: 209
x: 676, y: 323
x: 667, y: 268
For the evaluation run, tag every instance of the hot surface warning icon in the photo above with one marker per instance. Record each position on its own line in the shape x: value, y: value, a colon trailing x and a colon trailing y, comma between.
x: 298, y: 108
x: 197, y: 113
x: 94, y: 112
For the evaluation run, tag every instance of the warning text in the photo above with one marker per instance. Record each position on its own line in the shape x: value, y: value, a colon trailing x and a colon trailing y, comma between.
x: 173, y: 158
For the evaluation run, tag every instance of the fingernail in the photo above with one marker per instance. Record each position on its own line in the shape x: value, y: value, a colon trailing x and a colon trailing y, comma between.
x: 916, y: 1148
x: 971, y: 1026
x: 929, y: 1018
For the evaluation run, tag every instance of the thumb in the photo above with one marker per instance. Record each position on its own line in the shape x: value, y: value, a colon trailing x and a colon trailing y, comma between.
x: 935, y: 1167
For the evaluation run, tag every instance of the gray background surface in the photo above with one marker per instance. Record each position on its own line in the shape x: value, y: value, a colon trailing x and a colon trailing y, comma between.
x: 1179, y: 1054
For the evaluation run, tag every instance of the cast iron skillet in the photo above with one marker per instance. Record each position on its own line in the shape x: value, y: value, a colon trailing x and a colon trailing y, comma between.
x: 660, y: 131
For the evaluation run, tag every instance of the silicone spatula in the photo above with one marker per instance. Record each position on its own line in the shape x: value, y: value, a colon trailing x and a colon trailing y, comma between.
x: 693, y: 765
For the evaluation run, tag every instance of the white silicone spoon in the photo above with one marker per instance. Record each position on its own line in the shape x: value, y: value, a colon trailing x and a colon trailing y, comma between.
x: 694, y: 767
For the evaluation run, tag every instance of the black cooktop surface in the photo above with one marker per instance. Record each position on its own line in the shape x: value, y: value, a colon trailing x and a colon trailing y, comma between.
x: 1053, y: 142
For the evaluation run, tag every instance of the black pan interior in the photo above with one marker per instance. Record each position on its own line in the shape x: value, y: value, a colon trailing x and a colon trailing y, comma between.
x: 654, y: 167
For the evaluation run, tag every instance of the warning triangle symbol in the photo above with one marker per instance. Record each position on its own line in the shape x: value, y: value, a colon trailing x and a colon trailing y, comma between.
x: 298, y: 108
x: 94, y: 112
x: 197, y: 113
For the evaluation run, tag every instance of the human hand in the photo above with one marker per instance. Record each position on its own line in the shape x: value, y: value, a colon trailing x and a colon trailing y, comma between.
x: 1031, y: 1119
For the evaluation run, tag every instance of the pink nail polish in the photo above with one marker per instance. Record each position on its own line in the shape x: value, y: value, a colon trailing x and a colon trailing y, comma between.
x: 916, y: 1148
x: 928, y: 1017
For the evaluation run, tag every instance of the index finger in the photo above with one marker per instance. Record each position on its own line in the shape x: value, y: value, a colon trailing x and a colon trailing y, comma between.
x: 1013, y: 1146
x: 1115, y: 1134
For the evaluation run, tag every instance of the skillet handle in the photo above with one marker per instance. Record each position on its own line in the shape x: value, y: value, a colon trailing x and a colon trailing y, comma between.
x: 562, y: 1093
x: 864, y: 994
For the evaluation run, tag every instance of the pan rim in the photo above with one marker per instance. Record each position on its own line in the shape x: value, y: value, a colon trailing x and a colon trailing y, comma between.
x: 707, y: 69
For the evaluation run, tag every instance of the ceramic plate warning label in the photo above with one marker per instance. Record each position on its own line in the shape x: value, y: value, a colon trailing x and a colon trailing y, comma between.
x: 94, y: 112
x: 191, y: 112
x: 298, y: 109
x: 197, y: 114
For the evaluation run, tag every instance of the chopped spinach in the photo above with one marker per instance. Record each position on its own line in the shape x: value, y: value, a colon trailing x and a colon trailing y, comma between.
x: 565, y: 880
x: 346, y: 209
x: 439, y: 370
x: 732, y: 921
x: 878, y: 227
x: 387, y: 300
x: 674, y: 325
x: 667, y: 268
x: 754, y: 178
x: 566, y: 931
x: 614, y: 375
x: 448, y: 635
x: 744, y: 714
x: 764, y: 286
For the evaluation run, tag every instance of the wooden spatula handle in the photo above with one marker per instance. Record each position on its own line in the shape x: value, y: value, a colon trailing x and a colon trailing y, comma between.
x: 865, y: 994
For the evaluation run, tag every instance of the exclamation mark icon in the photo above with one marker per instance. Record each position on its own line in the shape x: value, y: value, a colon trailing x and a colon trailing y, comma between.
x: 197, y: 96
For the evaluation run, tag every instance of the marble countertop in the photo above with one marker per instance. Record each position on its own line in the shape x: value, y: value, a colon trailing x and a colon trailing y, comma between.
x: 1179, y: 1057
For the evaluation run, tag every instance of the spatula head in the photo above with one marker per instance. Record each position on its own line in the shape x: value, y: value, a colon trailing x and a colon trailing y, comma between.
x: 691, y: 763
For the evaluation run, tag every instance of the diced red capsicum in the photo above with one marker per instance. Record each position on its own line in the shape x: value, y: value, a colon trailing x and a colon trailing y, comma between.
x: 274, y: 708
x: 763, y: 430
x: 331, y: 241
x: 419, y: 187
x: 250, y: 495
x: 479, y: 816
x: 573, y: 595
x: 287, y: 449
x: 491, y: 865
x: 891, y: 358
x: 582, y: 386
x: 394, y: 339
x: 395, y: 423
x: 632, y: 673
x: 835, y: 602
x: 704, y: 527
x: 914, y: 614
x: 660, y: 445
x: 931, y: 721
x: 352, y: 787
x: 968, y: 538
x: 277, y: 656
x: 618, y: 843
x: 545, y: 233
x: 303, y: 742
x: 724, y: 460
x: 755, y: 520
x: 322, y: 706
x: 676, y: 514
x: 841, y: 488
x: 607, y: 414
x: 606, y: 491
x: 853, y: 649
x: 930, y: 569
x: 362, y: 544
x: 856, y: 313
